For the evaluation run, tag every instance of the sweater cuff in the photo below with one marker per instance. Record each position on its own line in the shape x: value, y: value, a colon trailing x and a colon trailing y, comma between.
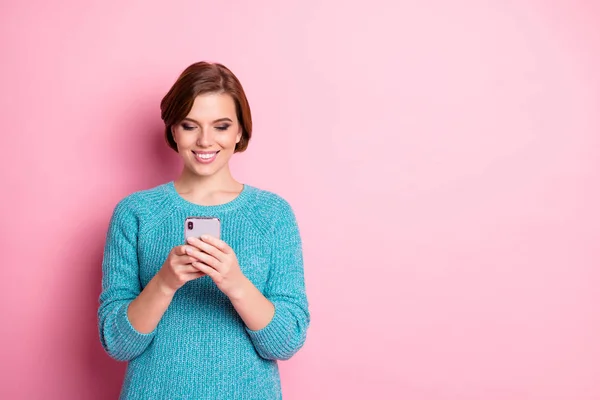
x: 274, y: 339
x: 131, y: 341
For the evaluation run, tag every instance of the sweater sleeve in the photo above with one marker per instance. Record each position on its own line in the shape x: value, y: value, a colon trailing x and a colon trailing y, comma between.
x: 286, y: 332
x: 120, y: 285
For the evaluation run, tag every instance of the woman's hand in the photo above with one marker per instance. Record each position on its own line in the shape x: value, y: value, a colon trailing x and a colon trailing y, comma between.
x: 216, y: 259
x: 177, y: 270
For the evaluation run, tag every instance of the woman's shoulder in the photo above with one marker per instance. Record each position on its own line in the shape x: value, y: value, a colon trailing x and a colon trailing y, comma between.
x: 271, y: 203
x: 143, y: 199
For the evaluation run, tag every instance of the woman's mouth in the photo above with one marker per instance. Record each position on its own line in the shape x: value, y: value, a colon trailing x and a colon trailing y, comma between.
x: 205, y: 157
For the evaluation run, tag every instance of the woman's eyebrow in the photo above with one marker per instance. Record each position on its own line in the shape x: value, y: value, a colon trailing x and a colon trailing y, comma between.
x: 214, y: 122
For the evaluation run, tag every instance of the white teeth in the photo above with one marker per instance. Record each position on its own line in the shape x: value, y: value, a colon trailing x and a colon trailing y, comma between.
x: 206, y: 156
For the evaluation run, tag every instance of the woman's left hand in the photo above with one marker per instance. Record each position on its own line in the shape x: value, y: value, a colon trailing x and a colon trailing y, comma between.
x: 218, y: 260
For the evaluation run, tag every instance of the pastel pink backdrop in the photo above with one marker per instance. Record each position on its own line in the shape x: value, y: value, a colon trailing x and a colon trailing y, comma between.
x: 442, y: 158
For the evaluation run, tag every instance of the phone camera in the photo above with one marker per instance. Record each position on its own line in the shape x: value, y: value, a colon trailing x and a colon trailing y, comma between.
x: 190, y: 225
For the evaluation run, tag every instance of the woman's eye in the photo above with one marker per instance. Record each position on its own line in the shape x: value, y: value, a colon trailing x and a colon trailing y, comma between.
x: 222, y: 127
x: 187, y: 127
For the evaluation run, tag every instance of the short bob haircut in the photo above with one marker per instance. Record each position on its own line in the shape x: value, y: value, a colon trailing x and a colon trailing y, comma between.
x: 203, y: 78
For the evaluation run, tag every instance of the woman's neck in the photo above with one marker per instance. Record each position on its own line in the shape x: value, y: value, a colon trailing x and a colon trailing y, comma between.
x: 207, y: 190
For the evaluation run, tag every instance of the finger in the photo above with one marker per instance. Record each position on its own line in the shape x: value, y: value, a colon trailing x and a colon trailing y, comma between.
x: 201, y: 256
x: 210, y: 261
x: 197, y: 265
x: 180, y: 250
x: 213, y: 273
x: 207, y: 248
x: 218, y: 243
x: 187, y: 259
x: 194, y: 275
x: 189, y: 251
x: 188, y: 269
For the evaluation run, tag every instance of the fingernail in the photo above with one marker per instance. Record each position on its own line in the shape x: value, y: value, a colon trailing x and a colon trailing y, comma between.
x: 204, y: 237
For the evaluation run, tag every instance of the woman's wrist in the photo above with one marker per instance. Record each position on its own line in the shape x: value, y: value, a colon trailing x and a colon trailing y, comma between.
x: 240, y: 293
x: 252, y: 306
x: 161, y: 287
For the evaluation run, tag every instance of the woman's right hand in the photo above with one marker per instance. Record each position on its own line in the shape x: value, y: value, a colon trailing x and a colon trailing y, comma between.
x: 177, y: 270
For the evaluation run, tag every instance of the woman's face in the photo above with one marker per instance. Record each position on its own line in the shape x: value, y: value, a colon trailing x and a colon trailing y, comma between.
x: 207, y: 136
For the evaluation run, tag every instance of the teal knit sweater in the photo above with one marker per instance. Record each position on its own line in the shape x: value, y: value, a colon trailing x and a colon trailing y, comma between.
x: 201, y: 348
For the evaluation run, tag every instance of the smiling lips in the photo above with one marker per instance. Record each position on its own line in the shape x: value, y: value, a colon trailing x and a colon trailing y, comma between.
x: 205, y: 157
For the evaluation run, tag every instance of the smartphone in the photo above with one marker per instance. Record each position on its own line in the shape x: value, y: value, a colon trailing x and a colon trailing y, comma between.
x: 198, y: 226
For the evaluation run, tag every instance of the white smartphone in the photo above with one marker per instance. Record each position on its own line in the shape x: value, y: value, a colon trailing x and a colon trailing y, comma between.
x: 198, y: 226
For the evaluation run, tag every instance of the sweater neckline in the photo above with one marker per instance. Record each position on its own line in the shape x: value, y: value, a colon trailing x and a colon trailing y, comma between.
x: 238, y: 201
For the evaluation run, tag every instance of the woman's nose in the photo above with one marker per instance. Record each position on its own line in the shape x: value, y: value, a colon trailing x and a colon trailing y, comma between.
x: 204, y: 138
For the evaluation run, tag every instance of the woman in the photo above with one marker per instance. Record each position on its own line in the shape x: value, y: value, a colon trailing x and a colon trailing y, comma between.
x: 204, y: 318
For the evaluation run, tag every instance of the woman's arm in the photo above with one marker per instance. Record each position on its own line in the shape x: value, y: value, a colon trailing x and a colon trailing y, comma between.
x: 128, y: 316
x: 146, y: 311
x: 277, y: 320
x: 121, y: 286
x: 286, y: 333
x: 252, y: 306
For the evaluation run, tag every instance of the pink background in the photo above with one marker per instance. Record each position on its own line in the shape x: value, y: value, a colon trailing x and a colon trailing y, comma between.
x: 443, y: 159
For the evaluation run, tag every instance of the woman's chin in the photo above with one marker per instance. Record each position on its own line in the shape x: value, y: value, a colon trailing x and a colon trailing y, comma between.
x: 202, y: 170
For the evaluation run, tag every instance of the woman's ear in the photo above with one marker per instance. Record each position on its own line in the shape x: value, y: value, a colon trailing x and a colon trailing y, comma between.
x: 172, y: 128
x: 239, y: 136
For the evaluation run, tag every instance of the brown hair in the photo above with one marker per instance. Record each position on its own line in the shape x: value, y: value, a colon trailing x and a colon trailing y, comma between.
x: 202, y: 78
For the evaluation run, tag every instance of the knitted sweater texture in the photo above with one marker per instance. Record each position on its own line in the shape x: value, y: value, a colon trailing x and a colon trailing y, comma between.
x: 201, y: 349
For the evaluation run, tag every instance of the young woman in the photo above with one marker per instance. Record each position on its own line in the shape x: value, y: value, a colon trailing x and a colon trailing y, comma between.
x: 204, y: 318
